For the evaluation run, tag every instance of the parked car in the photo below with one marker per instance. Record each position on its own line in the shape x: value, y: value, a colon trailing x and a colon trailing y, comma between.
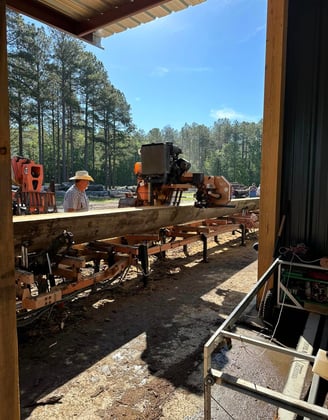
x: 239, y: 190
x: 96, y: 190
x: 120, y: 192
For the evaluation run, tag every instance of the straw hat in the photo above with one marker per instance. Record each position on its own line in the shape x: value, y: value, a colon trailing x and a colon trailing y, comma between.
x: 81, y: 175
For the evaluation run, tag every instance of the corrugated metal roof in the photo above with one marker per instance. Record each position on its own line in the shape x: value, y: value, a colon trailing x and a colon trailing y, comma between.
x: 92, y: 20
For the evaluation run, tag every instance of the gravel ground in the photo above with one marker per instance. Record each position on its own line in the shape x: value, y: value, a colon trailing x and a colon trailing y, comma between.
x: 136, y: 352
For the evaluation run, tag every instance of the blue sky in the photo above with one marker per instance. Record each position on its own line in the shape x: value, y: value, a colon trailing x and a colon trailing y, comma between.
x: 194, y: 66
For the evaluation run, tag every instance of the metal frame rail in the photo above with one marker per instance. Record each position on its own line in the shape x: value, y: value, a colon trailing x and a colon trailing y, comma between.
x: 214, y: 376
x: 47, y: 277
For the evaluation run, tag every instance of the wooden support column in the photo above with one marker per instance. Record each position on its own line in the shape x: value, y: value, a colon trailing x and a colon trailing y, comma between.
x: 9, y: 388
x: 272, y: 131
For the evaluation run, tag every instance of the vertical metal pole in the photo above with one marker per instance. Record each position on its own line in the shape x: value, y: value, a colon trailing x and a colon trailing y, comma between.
x: 9, y: 387
x: 204, y: 240
x: 243, y: 234
x: 143, y: 258
x: 162, y: 235
x: 207, y: 401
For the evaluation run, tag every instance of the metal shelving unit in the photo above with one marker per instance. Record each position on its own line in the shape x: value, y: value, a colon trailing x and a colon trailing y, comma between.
x: 288, y: 402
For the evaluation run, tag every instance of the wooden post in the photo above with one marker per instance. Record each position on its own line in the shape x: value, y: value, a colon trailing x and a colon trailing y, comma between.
x: 272, y: 131
x: 9, y: 388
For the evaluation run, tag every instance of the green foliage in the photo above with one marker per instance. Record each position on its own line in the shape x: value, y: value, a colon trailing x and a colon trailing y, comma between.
x: 66, y: 114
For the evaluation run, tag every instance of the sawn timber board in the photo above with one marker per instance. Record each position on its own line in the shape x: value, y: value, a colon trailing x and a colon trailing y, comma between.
x: 39, y: 230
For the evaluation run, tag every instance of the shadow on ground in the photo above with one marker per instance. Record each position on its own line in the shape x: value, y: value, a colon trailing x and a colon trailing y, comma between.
x: 176, y: 312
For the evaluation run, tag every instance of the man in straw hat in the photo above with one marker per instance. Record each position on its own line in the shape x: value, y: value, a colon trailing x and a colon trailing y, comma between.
x: 75, y: 198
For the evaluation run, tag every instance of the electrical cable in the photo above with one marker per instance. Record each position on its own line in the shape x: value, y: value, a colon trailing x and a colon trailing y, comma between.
x: 283, y: 303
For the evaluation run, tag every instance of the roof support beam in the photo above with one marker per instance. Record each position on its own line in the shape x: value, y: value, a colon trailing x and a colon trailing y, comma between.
x: 43, y: 13
x: 85, y: 29
x: 52, y: 18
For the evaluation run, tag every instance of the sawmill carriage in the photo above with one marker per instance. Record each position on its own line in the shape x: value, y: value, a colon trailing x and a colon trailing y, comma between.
x: 60, y: 272
x: 63, y: 268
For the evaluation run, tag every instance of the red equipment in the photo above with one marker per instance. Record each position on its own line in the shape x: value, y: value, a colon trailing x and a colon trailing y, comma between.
x: 29, y: 198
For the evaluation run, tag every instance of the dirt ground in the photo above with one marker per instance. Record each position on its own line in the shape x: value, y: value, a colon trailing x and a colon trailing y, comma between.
x: 135, y: 352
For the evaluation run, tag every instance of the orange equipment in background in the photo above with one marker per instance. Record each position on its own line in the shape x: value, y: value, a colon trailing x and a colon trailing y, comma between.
x: 162, y: 177
x: 29, y: 198
x: 27, y: 174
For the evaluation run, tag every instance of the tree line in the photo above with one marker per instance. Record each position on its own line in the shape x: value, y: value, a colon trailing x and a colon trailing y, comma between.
x: 67, y: 115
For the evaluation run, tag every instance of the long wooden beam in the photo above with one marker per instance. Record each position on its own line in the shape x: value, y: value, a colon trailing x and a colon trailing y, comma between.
x: 37, y: 231
x: 272, y: 131
x: 270, y: 220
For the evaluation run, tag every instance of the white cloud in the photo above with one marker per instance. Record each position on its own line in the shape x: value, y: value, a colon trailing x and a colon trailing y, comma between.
x: 253, y: 34
x: 194, y: 69
x: 160, y: 71
x: 232, y: 115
